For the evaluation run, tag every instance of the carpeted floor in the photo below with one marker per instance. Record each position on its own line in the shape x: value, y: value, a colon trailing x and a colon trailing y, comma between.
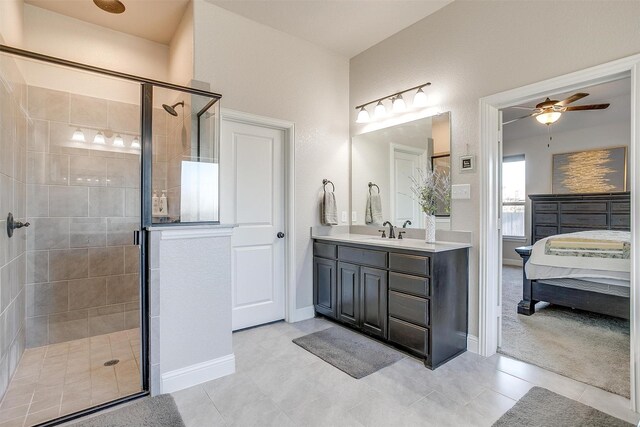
x: 352, y: 353
x: 544, y: 408
x: 584, y: 346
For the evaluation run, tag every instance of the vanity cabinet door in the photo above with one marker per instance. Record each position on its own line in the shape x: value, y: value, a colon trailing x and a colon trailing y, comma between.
x: 373, y: 301
x: 324, y: 287
x: 348, y: 292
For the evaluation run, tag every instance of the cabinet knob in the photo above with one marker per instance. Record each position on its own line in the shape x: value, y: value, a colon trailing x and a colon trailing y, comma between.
x: 280, y: 235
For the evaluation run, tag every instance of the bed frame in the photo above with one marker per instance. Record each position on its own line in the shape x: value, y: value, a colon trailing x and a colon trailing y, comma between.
x: 553, y: 214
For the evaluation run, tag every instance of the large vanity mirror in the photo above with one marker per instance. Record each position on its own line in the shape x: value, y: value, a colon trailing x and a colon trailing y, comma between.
x: 383, y: 163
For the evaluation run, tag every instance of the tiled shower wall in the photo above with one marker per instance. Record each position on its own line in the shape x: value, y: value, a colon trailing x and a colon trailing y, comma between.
x: 13, y: 142
x: 83, y: 205
x: 178, y: 148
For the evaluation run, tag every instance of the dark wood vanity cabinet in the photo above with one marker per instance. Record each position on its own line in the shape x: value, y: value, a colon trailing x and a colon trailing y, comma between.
x: 414, y: 300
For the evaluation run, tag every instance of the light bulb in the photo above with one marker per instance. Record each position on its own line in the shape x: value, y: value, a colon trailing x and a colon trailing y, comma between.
x: 420, y: 99
x: 78, y: 136
x: 135, y: 143
x: 99, y: 139
x: 363, y: 116
x: 118, y: 141
x: 549, y: 117
x: 380, y: 110
x: 398, y: 104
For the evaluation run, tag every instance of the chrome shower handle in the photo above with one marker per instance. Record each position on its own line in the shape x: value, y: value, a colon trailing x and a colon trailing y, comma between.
x: 12, y: 224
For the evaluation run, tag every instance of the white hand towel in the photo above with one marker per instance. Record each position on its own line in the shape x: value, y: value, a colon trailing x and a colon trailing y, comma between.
x: 329, y: 209
x: 373, y: 214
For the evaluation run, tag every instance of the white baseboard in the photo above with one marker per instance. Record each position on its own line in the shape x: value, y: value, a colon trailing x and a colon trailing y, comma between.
x: 197, y: 374
x: 472, y: 343
x: 302, y: 314
x: 513, y: 262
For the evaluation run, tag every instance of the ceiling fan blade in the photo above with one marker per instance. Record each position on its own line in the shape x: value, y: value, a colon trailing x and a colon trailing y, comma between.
x: 572, y: 98
x: 520, y: 118
x: 522, y: 108
x: 588, y: 107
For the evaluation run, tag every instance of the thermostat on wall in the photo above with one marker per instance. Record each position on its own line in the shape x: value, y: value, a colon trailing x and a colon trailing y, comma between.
x: 467, y: 163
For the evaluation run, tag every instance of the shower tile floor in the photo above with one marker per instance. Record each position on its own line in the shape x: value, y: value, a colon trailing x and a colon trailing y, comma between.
x: 59, y: 379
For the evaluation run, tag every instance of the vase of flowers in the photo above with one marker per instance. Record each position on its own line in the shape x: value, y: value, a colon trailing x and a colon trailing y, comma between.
x: 429, y: 189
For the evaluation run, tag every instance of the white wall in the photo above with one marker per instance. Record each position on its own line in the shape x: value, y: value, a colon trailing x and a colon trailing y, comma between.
x: 263, y: 71
x: 64, y: 37
x: 181, y: 50
x: 11, y: 22
x: 538, y: 160
x: 473, y: 49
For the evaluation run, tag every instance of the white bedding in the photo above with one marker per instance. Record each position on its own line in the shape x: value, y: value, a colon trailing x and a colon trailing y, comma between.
x: 544, y: 266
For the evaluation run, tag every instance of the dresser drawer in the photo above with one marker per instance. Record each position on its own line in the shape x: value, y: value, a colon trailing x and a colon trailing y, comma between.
x: 586, y: 219
x: 409, y: 284
x: 409, y: 308
x: 545, y: 206
x: 412, y: 264
x: 362, y: 256
x: 410, y: 336
x: 325, y: 250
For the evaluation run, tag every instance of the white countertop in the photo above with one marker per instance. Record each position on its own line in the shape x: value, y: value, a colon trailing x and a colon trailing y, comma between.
x: 411, y: 244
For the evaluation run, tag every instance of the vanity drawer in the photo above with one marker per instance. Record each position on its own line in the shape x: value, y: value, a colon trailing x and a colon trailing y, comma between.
x: 412, y: 264
x: 325, y: 250
x: 409, y: 308
x: 409, y: 284
x: 410, y: 336
x: 362, y: 256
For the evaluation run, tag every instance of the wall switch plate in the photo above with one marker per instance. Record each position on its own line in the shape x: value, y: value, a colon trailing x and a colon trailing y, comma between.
x: 344, y: 216
x: 461, y: 191
x: 354, y: 216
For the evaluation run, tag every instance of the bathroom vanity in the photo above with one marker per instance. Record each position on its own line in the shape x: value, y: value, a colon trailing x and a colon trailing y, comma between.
x: 407, y: 293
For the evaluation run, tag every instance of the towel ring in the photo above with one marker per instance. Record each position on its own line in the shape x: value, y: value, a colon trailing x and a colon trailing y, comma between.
x: 371, y: 184
x: 324, y: 185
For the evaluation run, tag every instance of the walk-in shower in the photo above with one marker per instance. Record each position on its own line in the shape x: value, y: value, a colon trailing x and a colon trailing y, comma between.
x: 81, y: 152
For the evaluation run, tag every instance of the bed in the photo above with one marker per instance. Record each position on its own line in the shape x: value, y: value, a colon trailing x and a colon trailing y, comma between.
x: 579, y: 256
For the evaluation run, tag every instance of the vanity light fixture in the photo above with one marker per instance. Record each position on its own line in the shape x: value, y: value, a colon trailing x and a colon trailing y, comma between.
x: 99, y: 139
x: 78, y: 136
x: 363, y: 115
x: 118, y: 141
x: 136, y: 143
x: 380, y: 110
x: 397, y: 103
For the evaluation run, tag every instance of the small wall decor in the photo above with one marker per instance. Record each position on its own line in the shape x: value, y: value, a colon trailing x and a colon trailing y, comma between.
x: 603, y: 170
x: 467, y: 163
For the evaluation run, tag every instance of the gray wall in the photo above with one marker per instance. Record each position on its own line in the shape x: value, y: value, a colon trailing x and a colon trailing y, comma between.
x: 471, y: 49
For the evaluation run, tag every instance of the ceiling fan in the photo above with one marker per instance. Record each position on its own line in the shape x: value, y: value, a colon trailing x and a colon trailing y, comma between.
x: 550, y: 110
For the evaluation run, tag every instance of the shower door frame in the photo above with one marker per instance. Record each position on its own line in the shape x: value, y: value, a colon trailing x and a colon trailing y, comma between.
x: 140, y: 237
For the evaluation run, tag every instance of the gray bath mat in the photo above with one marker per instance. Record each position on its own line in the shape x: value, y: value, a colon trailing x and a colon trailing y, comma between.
x: 544, y: 408
x: 348, y: 351
x: 159, y: 411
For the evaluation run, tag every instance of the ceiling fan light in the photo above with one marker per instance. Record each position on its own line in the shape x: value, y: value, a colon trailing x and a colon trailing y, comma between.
x: 399, y: 104
x: 549, y: 117
x: 380, y: 110
x: 420, y: 99
x: 363, y: 116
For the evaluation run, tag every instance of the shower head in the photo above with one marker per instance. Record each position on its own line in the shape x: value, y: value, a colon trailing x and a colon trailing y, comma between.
x: 171, y: 109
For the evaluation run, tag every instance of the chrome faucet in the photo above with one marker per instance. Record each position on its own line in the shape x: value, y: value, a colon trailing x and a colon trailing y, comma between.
x: 392, y: 230
x: 407, y: 222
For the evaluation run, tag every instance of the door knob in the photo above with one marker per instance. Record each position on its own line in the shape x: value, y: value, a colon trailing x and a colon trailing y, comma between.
x: 280, y: 234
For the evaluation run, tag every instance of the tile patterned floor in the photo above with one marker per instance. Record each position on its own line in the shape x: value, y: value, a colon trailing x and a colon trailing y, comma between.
x: 59, y: 379
x: 278, y: 383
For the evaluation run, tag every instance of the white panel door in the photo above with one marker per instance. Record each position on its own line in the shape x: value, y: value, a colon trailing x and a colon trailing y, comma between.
x: 252, y: 195
x: 405, y: 165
